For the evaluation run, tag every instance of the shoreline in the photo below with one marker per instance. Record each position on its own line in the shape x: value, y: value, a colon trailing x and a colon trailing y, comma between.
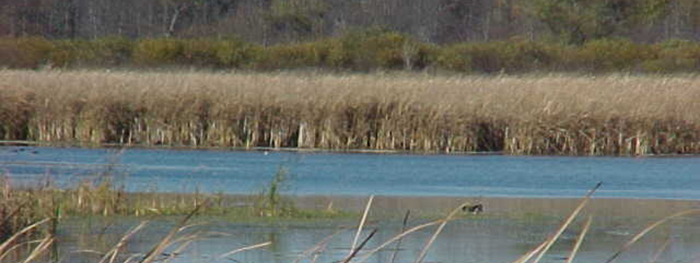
x: 15, y: 143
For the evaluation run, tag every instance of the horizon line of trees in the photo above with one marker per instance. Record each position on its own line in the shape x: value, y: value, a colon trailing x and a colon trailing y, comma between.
x: 365, y: 50
x: 271, y: 22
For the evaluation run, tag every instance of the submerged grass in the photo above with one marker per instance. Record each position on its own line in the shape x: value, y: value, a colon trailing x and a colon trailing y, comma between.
x: 530, y: 114
x: 21, y: 206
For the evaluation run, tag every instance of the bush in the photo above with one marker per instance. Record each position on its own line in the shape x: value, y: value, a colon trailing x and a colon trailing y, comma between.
x: 159, y: 51
x: 289, y: 56
x: 73, y: 53
x: 372, y: 49
x: 104, y: 52
x: 200, y: 52
x: 113, y: 51
x: 234, y: 53
x: 31, y: 52
x: 611, y: 55
x: 674, y: 56
x: 357, y: 50
x: 489, y: 57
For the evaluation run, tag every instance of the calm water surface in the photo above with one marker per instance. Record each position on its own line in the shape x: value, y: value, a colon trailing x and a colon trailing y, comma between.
x: 467, y: 240
x: 363, y: 174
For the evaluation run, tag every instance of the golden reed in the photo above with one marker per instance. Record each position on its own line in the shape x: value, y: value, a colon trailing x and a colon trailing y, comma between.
x: 531, y: 114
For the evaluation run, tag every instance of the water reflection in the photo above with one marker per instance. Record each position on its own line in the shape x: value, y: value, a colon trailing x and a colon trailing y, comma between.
x: 468, y: 240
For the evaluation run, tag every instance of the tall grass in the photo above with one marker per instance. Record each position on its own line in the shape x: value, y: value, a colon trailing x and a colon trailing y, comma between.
x: 531, y: 114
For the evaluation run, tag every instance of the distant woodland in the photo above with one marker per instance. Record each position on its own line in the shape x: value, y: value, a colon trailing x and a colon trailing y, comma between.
x: 468, y: 36
x: 270, y: 22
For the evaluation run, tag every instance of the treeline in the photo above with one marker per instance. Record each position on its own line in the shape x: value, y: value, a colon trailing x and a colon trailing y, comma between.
x: 270, y: 22
x: 355, y: 51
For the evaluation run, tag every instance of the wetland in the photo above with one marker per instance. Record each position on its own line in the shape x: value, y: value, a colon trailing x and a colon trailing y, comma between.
x: 525, y: 199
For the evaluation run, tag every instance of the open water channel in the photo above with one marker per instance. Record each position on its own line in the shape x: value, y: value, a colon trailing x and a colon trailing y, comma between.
x: 470, y: 239
x: 313, y: 173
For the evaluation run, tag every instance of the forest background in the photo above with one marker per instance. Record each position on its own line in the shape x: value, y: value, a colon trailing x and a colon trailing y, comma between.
x: 457, y: 35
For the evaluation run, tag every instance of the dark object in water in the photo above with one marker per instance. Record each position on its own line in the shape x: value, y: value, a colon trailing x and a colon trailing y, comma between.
x: 474, y: 209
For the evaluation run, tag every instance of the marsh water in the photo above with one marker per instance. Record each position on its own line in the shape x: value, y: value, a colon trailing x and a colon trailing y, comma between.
x: 467, y: 240
x: 481, y: 238
x: 322, y: 173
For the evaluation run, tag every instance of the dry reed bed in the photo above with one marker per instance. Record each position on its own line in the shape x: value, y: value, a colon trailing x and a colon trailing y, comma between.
x: 545, y: 114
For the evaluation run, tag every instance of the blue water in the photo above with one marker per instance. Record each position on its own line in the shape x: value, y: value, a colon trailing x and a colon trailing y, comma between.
x: 360, y: 174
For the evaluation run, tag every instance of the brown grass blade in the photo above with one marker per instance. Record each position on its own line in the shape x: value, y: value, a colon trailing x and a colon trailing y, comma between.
x: 398, y: 243
x: 657, y: 255
x: 45, y: 243
x: 449, y: 217
x: 366, y: 256
x: 542, y: 248
x: 8, y: 251
x: 131, y: 258
x: 165, y: 242
x: 362, y: 244
x: 318, y: 246
x: 527, y: 256
x: 14, y: 212
x: 14, y: 237
x: 264, y: 244
x: 184, y: 243
x: 646, y: 230
x: 362, y: 224
x: 566, y: 223
x: 579, y: 240
x: 112, y: 254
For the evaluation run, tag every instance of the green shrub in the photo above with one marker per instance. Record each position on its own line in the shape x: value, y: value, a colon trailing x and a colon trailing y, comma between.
x: 301, y: 55
x: 674, y: 56
x: 612, y: 55
x: 73, y: 53
x: 372, y: 49
x: 155, y: 51
x: 200, y: 52
x: 489, y: 57
x: 30, y: 52
x: 113, y: 51
x: 357, y: 50
x: 103, y: 52
x: 234, y: 53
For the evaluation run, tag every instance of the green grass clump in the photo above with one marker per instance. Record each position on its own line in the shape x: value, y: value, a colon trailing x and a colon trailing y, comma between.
x: 104, y: 196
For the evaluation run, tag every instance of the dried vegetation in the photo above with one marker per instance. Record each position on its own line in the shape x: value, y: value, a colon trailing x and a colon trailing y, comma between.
x: 530, y: 114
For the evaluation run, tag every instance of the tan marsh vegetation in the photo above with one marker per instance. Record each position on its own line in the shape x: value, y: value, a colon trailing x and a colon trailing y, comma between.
x: 521, y: 114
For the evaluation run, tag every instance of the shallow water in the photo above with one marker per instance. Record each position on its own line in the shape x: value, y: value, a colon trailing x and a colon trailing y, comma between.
x: 467, y: 240
x: 321, y: 173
